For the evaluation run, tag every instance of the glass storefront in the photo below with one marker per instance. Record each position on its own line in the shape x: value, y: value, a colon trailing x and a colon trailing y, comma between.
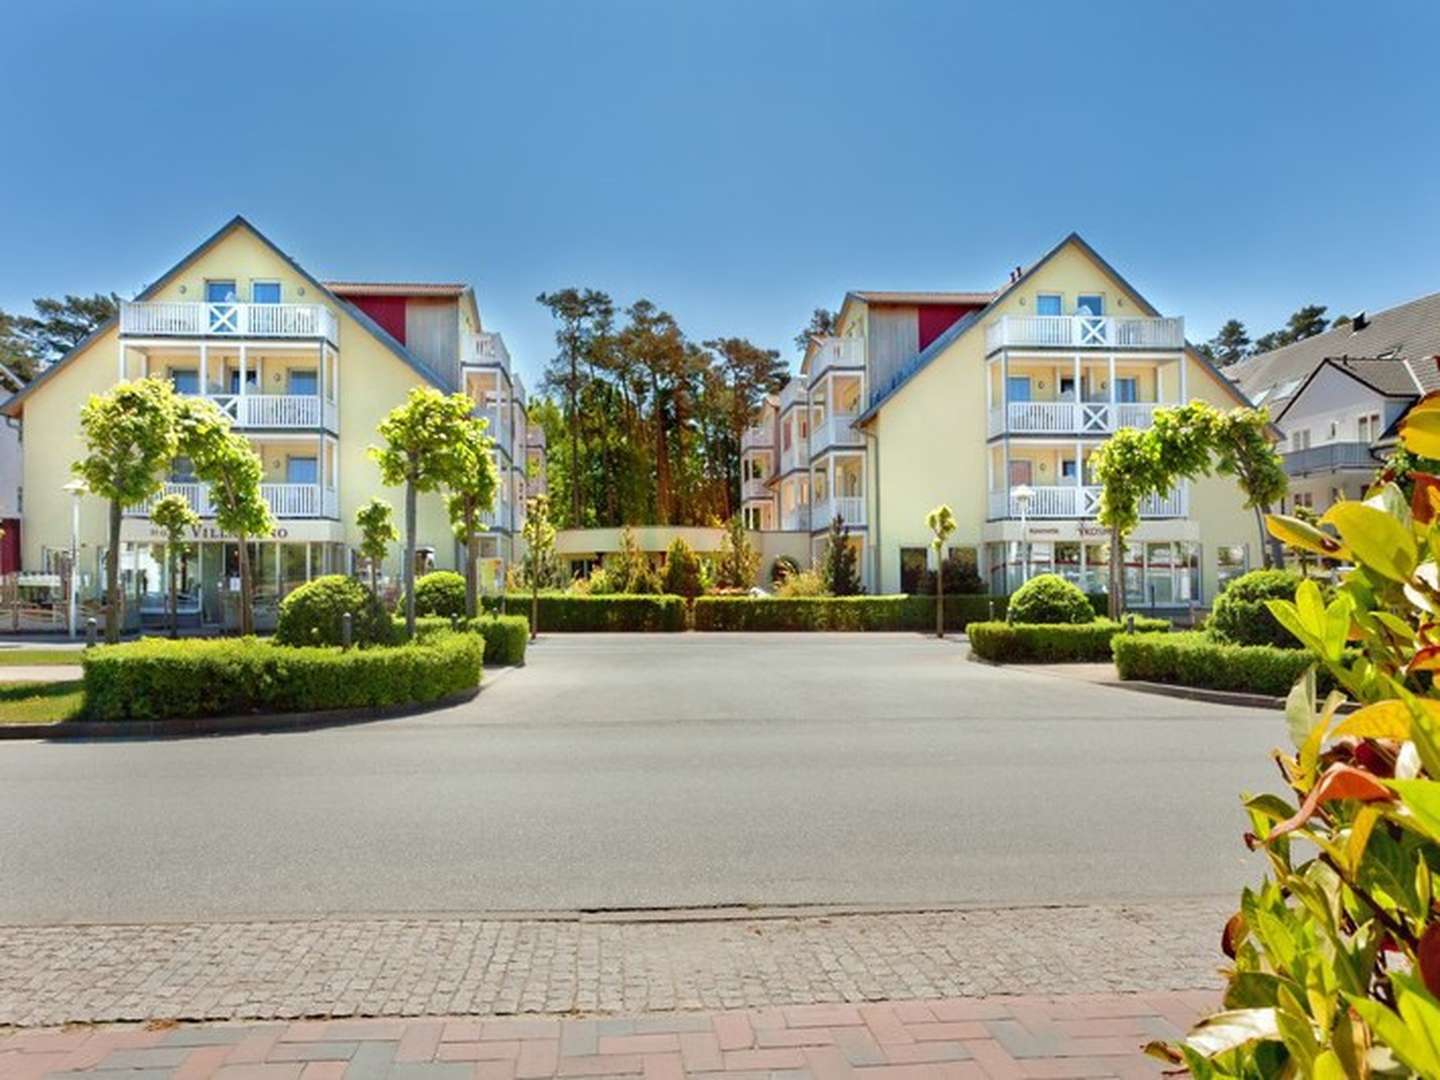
x: 1164, y: 573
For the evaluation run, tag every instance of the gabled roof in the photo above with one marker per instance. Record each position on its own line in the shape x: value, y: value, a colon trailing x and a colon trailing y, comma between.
x: 932, y: 351
x: 881, y: 297
x: 11, y: 407
x: 1407, y: 380
x: 1408, y: 331
x: 396, y: 288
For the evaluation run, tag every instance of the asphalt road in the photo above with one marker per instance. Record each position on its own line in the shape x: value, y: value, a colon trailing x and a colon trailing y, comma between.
x: 638, y: 771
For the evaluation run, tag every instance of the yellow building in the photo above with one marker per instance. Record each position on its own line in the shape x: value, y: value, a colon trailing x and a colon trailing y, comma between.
x: 993, y: 402
x: 306, y: 370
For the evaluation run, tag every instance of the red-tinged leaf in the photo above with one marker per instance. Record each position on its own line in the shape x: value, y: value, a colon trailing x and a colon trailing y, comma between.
x: 1234, y: 927
x: 1428, y: 956
x: 1425, y: 502
x: 1426, y: 659
x: 1339, y: 782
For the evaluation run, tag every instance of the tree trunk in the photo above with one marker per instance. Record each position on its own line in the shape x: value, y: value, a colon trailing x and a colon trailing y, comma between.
x: 1117, y: 577
x: 575, y: 521
x: 534, y: 597
x: 472, y: 555
x: 375, y: 578
x: 174, y: 592
x: 247, y: 596
x: 113, y: 593
x: 410, y: 497
x: 1264, y: 538
x: 662, y: 464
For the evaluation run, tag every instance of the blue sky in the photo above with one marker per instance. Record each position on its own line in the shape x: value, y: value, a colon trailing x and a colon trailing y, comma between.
x: 738, y: 163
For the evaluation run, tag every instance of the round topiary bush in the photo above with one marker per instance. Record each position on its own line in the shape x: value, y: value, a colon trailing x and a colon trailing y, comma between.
x: 311, y: 614
x: 1240, y: 616
x: 1049, y: 598
x: 440, y: 592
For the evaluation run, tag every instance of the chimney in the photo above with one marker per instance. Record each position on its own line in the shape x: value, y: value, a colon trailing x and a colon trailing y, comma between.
x: 1359, y: 322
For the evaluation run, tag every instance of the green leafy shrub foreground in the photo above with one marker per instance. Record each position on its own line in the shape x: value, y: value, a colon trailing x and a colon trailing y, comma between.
x: 156, y: 679
x: 1193, y: 658
x: 567, y: 612
x: 311, y: 614
x: 1052, y: 643
x: 1049, y: 598
x: 442, y: 593
x: 839, y: 612
x: 1240, y: 615
x: 505, y: 635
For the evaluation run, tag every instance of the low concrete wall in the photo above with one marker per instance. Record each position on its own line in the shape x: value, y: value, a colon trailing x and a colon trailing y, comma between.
x: 655, y: 539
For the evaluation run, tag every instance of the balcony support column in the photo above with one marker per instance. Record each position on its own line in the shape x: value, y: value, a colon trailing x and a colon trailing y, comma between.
x: 1005, y: 397
x: 205, y: 369
x: 1111, y: 418
x: 1076, y: 408
x: 1079, y: 476
x: 244, y: 417
x: 1183, y: 366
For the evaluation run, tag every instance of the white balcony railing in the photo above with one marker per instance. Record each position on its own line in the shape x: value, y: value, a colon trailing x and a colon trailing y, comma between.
x: 796, y: 519
x: 1069, y: 501
x: 836, y: 352
x: 835, y: 430
x: 498, y: 425
x: 278, y: 410
x: 796, y: 455
x: 191, y: 318
x: 1085, y: 332
x: 754, y: 489
x: 486, y: 350
x: 757, y: 437
x: 849, y: 507
x: 1070, y: 417
x: 284, y: 500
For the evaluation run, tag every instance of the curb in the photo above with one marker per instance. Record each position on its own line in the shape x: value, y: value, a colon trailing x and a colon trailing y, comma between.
x: 246, y: 724
x: 1218, y: 697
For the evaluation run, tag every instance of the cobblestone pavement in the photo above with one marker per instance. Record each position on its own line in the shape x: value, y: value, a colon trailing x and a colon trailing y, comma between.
x: 495, y: 966
x: 1092, y: 1035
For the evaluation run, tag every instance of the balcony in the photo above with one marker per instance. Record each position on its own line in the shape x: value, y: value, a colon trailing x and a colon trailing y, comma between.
x: 757, y: 437
x: 755, y: 489
x: 1102, y: 332
x: 284, y: 500
x: 1069, y: 501
x: 796, y: 519
x: 197, y: 319
x: 486, y: 350
x: 278, y: 410
x: 500, y: 518
x: 1069, y: 417
x: 836, y: 353
x: 796, y: 455
x: 849, y: 507
x: 835, y: 431
x: 1328, y: 458
x: 498, y: 421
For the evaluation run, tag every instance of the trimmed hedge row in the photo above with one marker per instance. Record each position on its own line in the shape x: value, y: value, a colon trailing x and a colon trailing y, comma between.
x: 1052, y: 643
x: 505, y: 635
x: 839, y: 612
x: 155, y: 679
x: 562, y: 612
x: 1193, y: 658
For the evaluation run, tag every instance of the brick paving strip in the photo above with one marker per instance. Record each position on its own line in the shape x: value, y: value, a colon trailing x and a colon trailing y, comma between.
x: 1080, y: 1035
x: 490, y: 966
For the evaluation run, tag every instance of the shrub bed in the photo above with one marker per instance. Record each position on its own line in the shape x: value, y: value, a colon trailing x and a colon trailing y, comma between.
x: 1050, y: 599
x: 156, y: 679
x: 563, y: 613
x: 1052, y: 643
x: 311, y: 614
x: 505, y: 635
x: 440, y: 592
x: 839, y: 612
x: 1195, y: 659
x: 1241, y: 615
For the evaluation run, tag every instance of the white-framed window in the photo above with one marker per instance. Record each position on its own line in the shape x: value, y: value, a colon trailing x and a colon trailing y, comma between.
x: 1369, y: 427
x: 1049, y: 304
x: 185, y: 380
x: 302, y: 381
x: 265, y: 292
x: 1334, y: 429
x: 1231, y: 560
x: 1300, y: 439
x: 1090, y: 304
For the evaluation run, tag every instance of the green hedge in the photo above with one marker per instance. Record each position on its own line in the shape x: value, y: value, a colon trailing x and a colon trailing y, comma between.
x: 839, y: 612
x: 563, y: 612
x: 505, y: 635
x: 1051, y: 643
x: 155, y: 679
x: 1195, y: 659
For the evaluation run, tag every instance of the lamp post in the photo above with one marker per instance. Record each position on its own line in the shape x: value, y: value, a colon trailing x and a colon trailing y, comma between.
x: 77, y: 489
x: 1022, y: 496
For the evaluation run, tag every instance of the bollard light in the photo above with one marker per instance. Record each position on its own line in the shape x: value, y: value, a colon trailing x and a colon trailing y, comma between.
x: 347, y: 629
x: 91, y: 632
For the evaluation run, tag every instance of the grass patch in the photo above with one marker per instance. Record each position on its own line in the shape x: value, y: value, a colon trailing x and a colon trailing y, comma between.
x: 40, y: 657
x: 41, y: 702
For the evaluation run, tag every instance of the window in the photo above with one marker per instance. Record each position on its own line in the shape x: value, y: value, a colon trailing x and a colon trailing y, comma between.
x: 220, y: 292
x: 185, y: 380
x: 1091, y: 304
x: 224, y: 319
x: 1334, y: 429
x: 182, y: 471
x: 1048, y: 304
x: 913, y: 566
x: 252, y: 380
x: 1369, y: 427
x: 1231, y: 560
x: 1127, y: 389
x: 1067, y: 468
x: 1305, y: 499
x: 1017, y: 388
x: 1300, y: 439
x: 302, y: 470
x: 265, y: 292
x: 302, y: 381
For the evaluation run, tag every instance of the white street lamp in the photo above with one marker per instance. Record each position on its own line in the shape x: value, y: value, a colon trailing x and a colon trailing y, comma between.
x: 1023, y: 496
x: 78, y: 489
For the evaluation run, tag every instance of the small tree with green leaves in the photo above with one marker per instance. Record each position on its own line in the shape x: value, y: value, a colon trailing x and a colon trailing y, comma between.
x: 229, y: 464
x: 174, y: 515
x: 682, y: 570
x: 130, y: 439
x: 472, y: 492
x: 376, y: 522
x: 839, y: 567
x: 941, y: 523
x: 419, y: 451
x: 737, y: 562
x: 1244, y: 449
x: 539, y: 536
